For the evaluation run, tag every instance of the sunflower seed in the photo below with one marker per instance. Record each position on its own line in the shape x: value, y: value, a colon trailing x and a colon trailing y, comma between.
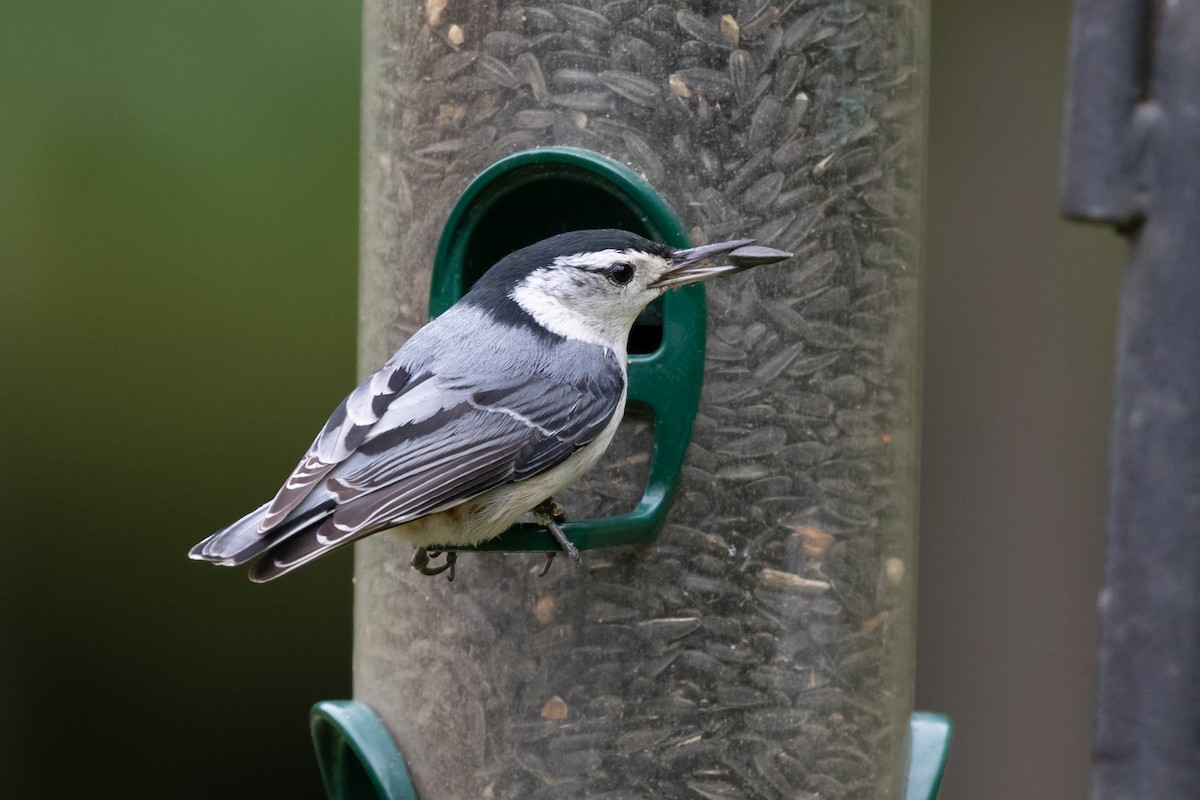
x: 762, y: 193
x: 637, y: 55
x: 504, y: 44
x: 753, y: 255
x: 529, y: 72
x: 708, y: 82
x: 630, y: 86
x: 801, y: 32
x: 644, y: 156
x: 496, y: 71
x: 534, y: 118
x: 580, y: 101
x: 701, y: 28
x: 764, y: 123
x: 742, y: 75
x: 789, y: 73
x: 583, y: 20
x: 451, y: 64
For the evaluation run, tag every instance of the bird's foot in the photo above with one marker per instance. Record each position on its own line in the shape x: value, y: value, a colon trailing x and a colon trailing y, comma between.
x: 421, y: 558
x: 551, y: 508
x: 549, y: 513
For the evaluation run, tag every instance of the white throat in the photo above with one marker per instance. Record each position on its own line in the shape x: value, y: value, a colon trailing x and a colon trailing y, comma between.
x: 588, y: 321
x: 569, y: 322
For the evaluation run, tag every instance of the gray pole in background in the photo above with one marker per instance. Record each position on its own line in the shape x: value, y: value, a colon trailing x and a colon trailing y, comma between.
x: 1132, y: 159
x: 763, y: 646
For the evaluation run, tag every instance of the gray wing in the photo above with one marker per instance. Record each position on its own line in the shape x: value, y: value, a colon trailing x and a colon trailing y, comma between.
x: 481, y: 433
x: 516, y: 427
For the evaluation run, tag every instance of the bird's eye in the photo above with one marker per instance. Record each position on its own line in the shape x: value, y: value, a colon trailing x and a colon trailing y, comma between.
x: 621, y: 274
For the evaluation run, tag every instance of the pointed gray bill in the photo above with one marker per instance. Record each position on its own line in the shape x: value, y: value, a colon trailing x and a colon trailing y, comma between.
x: 741, y: 254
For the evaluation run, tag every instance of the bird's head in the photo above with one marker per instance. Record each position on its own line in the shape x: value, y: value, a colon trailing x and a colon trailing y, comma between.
x: 591, y: 285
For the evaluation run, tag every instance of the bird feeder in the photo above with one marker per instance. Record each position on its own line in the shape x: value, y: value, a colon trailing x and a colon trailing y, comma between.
x: 751, y: 635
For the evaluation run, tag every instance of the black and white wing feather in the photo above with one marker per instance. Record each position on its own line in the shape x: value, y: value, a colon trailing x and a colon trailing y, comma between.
x: 403, y: 446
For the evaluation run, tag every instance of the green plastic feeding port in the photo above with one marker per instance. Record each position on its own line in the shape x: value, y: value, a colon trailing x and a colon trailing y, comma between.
x: 929, y: 748
x: 532, y: 195
x: 356, y: 754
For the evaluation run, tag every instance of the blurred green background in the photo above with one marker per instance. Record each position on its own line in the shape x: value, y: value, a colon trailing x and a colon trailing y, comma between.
x: 178, y: 202
x: 178, y: 226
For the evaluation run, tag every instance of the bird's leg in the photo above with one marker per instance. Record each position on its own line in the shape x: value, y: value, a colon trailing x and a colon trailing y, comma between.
x: 421, y: 558
x: 549, y: 513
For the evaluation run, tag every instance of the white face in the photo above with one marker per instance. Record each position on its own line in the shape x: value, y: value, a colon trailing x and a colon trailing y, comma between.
x: 593, y: 297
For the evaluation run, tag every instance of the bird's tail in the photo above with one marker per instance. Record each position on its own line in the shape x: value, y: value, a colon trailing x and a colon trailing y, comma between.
x: 237, y: 543
x: 302, y: 545
x: 243, y: 540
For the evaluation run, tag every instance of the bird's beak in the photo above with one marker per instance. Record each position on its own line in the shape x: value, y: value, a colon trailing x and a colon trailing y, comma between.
x: 689, y: 266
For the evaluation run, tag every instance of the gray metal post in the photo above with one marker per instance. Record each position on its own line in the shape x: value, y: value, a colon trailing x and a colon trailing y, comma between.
x: 1132, y: 159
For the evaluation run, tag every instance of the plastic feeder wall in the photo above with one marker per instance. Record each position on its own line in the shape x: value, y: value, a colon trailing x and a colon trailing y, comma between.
x: 762, y: 645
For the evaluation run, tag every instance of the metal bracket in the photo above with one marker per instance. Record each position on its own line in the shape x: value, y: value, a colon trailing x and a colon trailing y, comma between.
x: 1109, y: 112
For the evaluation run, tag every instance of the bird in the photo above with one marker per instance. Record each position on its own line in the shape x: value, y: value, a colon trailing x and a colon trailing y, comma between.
x: 486, y: 411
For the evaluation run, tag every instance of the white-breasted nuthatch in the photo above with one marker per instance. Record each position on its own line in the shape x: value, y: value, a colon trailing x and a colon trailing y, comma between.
x: 484, y: 413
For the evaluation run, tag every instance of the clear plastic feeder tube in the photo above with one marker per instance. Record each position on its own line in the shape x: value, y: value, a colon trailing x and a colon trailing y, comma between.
x: 763, y: 646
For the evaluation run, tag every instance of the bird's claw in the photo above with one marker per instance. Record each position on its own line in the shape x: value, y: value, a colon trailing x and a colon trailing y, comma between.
x: 546, y: 567
x: 421, y: 558
x: 549, y: 513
